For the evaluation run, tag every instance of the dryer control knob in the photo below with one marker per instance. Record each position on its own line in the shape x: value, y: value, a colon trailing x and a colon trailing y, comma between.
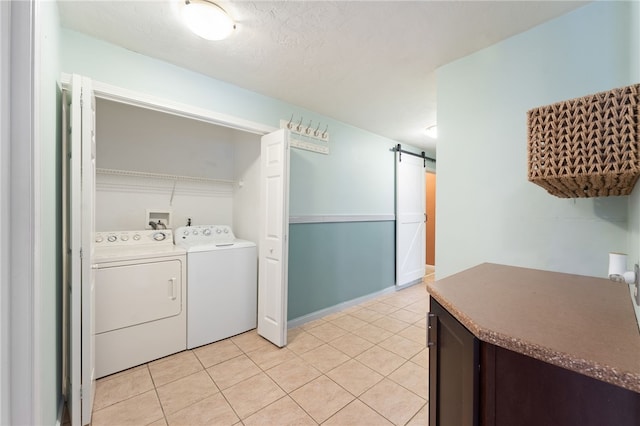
x: 99, y: 239
x: 218, y: 231
x: 159, y: 236
x: 111, y: 238
x: 136, y: 237
x: 226, y: 230
x: 206, y: 232
x: 124, y: 237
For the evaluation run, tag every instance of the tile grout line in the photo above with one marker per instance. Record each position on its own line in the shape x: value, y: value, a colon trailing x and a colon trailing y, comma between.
x: 155, y: 389
x: 409, y: 299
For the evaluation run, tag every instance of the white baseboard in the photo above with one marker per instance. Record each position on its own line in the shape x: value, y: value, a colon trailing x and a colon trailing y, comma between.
x: 296, y: 322
x: 409, y: 284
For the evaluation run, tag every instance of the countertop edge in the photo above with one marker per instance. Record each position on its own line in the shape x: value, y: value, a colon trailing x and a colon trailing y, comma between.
x: 568, y: 361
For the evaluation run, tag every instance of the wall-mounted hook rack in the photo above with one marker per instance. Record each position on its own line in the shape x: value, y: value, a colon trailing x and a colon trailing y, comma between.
x: 307, y: 137
x: 297, y: 127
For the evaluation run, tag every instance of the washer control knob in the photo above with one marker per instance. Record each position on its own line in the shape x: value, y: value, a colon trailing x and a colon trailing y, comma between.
x: 112, y: 238
x: 226, y: 230
x: 218, y: 231
x: 185, y: 232
x: 194, y: 232
x: 99, y: 239
x: 136, y: 237
x: 159, y: 236
x: 124, y: 237
x: 206, y: 232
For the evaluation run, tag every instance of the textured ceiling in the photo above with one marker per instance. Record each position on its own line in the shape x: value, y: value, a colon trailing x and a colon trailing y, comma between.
x: 370, y: 64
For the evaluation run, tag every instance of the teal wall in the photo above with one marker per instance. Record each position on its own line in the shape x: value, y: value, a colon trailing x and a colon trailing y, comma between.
x: 49, y: 304
x: 333, y: 254
x: 487, y: 210
x: 357, y: 178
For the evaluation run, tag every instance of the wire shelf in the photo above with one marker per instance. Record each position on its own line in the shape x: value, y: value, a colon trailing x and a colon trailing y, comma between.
x: 163, y: 176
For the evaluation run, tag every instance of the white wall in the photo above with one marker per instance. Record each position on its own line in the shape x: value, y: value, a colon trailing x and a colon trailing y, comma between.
x: 246, y: 217
x: 487, y: 210
x: 122, y: 202
x: 134, y: 139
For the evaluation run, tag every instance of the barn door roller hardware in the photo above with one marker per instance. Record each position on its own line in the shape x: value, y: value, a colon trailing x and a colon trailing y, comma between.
x: 398, y: 148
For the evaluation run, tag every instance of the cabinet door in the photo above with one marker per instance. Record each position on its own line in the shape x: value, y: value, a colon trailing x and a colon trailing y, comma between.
x: 453, y: 371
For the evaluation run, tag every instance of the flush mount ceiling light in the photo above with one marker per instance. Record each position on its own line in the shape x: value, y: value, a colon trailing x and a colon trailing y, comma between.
x: 206, y: 19
x: 432, y: 131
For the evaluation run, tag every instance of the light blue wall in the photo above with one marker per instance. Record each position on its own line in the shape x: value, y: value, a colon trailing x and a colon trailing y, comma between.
x: 318, y: 182
x: 49, y: 305
x: 487, y: 210
x: 357, y: 178
x: 634, y: 199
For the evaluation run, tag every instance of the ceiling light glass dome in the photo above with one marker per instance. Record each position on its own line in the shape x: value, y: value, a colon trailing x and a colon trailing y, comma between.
x: 208, y: 20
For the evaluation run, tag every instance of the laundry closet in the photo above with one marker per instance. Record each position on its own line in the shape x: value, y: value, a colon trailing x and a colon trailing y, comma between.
x: 158, y: 193
x: 159, y: 166
x: 163, y: 179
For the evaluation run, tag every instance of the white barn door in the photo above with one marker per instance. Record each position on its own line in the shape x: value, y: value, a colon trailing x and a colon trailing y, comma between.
x: 81, y: 169
x: 410, y: 219
x: 274, y: 230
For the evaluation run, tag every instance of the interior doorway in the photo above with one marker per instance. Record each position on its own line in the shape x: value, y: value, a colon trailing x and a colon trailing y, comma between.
x: 430, y: 199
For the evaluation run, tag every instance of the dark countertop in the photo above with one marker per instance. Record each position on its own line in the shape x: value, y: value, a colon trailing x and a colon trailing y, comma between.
x: 580, y: 323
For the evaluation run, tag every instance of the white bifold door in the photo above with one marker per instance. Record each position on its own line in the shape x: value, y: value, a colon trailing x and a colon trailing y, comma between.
x: 274, y: 233
x: 410, y: 219
x: 81, y: 157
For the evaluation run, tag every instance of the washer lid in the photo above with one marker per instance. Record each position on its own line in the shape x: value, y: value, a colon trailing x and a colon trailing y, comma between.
x: 200, y: 247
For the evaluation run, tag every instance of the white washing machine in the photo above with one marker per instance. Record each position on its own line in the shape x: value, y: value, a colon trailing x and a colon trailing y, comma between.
x: 222, y: 280
x: 140, y: 299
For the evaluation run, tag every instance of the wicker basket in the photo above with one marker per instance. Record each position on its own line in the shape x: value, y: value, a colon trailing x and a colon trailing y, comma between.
x: 586, y: 147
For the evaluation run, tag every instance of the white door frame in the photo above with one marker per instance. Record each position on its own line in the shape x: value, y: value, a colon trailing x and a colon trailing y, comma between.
x: 5, y: 193
x: 81, y: 177
x: 19, y: 216
x: 144, y: 100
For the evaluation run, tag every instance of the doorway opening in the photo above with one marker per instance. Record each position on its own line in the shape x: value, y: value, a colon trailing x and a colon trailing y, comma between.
x: 430, y: 229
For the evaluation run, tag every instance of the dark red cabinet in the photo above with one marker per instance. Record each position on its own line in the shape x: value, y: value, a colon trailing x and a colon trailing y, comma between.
x: 453, y: 370
x: 473, y: 383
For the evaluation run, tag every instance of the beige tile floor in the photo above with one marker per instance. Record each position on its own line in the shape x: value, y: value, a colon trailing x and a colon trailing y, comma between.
x: 366, y: 365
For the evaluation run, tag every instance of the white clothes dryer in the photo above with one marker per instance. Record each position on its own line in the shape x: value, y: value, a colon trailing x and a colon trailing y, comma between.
x: 140, y: 300
x: 222, y: 281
